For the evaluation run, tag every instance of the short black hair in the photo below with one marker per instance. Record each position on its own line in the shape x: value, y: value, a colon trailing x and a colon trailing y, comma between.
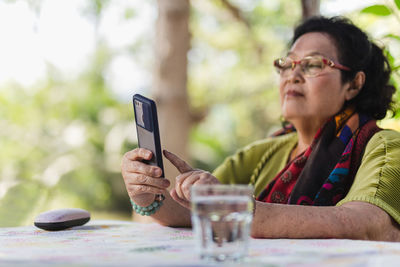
x: 356, y: 51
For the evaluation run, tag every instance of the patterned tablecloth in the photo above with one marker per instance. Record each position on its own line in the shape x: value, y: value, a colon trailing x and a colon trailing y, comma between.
x: 118, y: 243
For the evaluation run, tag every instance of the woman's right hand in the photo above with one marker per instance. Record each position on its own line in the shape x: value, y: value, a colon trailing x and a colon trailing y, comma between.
x: 142, y: 181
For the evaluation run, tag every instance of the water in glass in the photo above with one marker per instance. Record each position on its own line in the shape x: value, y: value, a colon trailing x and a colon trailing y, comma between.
x: 222, y: 225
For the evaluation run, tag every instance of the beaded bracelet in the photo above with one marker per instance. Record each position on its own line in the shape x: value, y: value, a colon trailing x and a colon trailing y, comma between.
x: 150, y: 209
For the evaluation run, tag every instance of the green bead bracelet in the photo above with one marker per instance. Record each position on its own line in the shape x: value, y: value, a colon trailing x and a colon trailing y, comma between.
x: 150, y: 209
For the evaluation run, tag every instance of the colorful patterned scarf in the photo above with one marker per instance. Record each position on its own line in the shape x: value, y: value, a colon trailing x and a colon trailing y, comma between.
x: 322, y: 175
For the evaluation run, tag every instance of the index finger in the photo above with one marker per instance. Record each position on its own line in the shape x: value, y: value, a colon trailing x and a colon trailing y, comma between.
x: 180, y: 164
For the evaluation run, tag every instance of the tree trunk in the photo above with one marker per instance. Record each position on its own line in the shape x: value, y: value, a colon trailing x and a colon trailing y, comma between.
x: 310, y: 8
x: 170, y: 77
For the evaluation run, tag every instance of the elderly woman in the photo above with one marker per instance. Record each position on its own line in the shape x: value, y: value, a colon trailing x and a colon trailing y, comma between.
x: 331, y: 173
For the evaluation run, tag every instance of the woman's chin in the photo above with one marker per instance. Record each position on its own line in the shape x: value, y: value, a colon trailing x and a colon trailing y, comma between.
x: 292, y: 115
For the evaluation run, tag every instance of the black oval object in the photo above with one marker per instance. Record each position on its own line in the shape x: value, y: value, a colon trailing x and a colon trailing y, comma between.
x: 61, y: 219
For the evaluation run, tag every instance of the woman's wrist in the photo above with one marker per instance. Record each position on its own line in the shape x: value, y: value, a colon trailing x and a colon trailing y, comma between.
x: 144, y: 200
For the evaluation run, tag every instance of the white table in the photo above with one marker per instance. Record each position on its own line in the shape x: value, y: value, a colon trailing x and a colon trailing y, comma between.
x: 119, y: 243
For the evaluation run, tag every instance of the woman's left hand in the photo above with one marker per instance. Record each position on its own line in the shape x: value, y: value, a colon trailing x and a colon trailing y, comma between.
x: 187, y: 178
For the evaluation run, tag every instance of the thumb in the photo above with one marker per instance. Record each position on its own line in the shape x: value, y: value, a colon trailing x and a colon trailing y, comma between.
x: 180, y: 164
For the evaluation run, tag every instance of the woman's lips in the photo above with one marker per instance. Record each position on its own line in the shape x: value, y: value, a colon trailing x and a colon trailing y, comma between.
x: 293, y: 93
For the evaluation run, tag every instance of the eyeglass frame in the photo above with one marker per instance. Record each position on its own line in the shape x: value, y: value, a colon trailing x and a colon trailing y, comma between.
x: 327, y: 62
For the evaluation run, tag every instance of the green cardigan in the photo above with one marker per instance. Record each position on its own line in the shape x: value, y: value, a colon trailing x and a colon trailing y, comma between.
x: 377, y: 180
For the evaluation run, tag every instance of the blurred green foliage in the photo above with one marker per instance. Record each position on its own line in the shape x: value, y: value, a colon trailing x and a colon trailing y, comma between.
x: 62, y: 139
x: 61, y: 145
x: 61, y: 142
x: 389, y: 14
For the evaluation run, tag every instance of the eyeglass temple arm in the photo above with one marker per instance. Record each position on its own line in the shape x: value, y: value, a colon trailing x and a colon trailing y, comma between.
x: 336, y: 65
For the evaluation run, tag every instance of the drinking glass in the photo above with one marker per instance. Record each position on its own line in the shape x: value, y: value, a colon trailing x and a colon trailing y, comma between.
x: 221, y: 220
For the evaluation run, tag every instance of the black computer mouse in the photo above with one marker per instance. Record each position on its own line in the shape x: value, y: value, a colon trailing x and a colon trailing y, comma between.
x: 61, y: 219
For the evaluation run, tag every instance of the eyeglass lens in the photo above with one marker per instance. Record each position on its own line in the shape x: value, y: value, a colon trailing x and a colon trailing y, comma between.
x: 309, y: 66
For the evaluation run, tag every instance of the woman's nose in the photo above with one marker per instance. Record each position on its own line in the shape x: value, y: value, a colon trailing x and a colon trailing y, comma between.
x: 295, y: 75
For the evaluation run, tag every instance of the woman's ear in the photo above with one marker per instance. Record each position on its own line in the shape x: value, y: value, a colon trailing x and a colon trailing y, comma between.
x: 355, y: 85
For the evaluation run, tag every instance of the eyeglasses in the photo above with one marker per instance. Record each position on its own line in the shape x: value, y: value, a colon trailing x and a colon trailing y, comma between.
x: 310, y: 66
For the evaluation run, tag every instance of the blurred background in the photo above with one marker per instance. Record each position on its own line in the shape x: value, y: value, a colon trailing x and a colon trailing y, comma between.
x: 68, y: 70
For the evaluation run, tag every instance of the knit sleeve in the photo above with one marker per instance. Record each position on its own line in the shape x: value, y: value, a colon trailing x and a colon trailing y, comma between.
x: 237, y: 169
x: 378, y: 178
x: 257, y: 163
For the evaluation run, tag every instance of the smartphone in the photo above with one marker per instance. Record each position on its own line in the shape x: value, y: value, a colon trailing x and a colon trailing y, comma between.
x: 147, y: 128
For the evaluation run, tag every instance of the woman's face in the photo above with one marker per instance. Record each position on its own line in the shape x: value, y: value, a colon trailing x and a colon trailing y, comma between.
x: 312, y: 99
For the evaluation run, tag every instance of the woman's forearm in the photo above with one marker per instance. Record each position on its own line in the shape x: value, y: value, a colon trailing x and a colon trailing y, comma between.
x: 355, y: 221
x: 294, y: 221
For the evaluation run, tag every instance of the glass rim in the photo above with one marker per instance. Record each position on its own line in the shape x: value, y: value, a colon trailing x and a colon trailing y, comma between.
x: 222, y: 188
